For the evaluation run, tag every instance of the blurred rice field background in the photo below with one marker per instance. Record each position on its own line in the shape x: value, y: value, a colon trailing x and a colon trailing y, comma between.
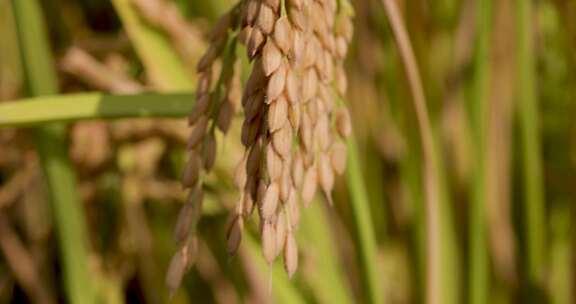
x: 93, y: 99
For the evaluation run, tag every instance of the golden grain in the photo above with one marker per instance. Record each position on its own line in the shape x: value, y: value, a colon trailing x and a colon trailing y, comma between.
x: 234, y: 236
x: 309, y: 185
x: 290, y: 255
x: 281, y: 229
x: 266, y: 19
x: 292, y: 86
x: 191, y: 172
x: 293, y: 210
x: 338, y: 156
x: 209, y: 151
x: 283, y: 34
x: 277, y: 114
x: 247, y: 205
x: 254, y: 105
x: 282, y: 141
x: 286, y: 180
x: 253, y: 161
x: 183, y: 223
x: 225, y: 116
x: 240, y: 173
x: 251, y: 11
x: 275, y: 4
x: 309, y: 85
x: 343, y: 123
x: 271, y: 57
x: 273, y: 164
x: 176, y: 270
x: 326, y: 176
x: 297, y: 170
x: 297, y: 4
x: 276, y: 83
x: 340, y: 79
x: 268, y: 242
x: 270, y: 201
x: 294, y: 115
x: 305, y: 131
x: 204, y: 83
x: 297, y: 18
x: 255, y: 42
x: 198, y: 132
x: 200, y: 107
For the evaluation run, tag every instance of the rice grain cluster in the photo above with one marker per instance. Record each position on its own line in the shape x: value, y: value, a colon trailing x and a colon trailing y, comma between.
x: 293, y: 128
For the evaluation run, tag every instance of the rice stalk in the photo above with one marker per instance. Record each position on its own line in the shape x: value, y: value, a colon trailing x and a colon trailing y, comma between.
x: 363, y: 226
x: 534, y: 208
x: 51, y: 144
x: 478, y: 260
x: 442, y: 275
x: 327, y: 278
x: 502, y: 243
x: 560, y: 279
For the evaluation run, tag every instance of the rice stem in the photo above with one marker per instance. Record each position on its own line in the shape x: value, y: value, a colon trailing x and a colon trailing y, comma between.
x: 442, y: 276
x: 51, y: 144
x: 478, y: 251
x: 363, y: 225
x: 534, y: 213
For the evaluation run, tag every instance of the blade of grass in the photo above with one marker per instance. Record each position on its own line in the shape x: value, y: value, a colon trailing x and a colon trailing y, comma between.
x: 561, y: 280
x: 363, y: 226
x: 10, y: 70
x: 501, y: 237
x: 478, y: 251
x: 51, y: 144
x: 412, y: 188
x: 62, y: 108
x: 534, y: 221
x: 442, y: 256
x: 326, y: 276
x: 163, y: 66
x: 373, y: 174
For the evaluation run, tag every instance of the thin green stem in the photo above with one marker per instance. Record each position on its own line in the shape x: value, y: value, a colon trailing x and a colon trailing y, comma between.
x: 442, y: 283
x: 561, y: 254
x: 51, y: 144
x: 282, y: 8
x: 326, y: 279
x: 363, y: 225
x: 478, y: 259
x: 534, y: 221
x: 412, y: 187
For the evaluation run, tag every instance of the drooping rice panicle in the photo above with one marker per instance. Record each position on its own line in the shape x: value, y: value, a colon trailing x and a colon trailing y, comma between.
x: 293, y: 128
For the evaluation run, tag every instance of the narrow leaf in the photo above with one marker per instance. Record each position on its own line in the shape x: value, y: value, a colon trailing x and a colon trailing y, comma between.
x: 163, y: 66
x: 62, y: 108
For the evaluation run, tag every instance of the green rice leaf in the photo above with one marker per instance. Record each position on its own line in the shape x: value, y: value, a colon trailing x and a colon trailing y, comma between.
x: 163, y: 66
x: 63, y: 108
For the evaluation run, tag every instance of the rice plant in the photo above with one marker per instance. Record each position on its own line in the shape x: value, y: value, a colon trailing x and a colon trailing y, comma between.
x: 287, y: 151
